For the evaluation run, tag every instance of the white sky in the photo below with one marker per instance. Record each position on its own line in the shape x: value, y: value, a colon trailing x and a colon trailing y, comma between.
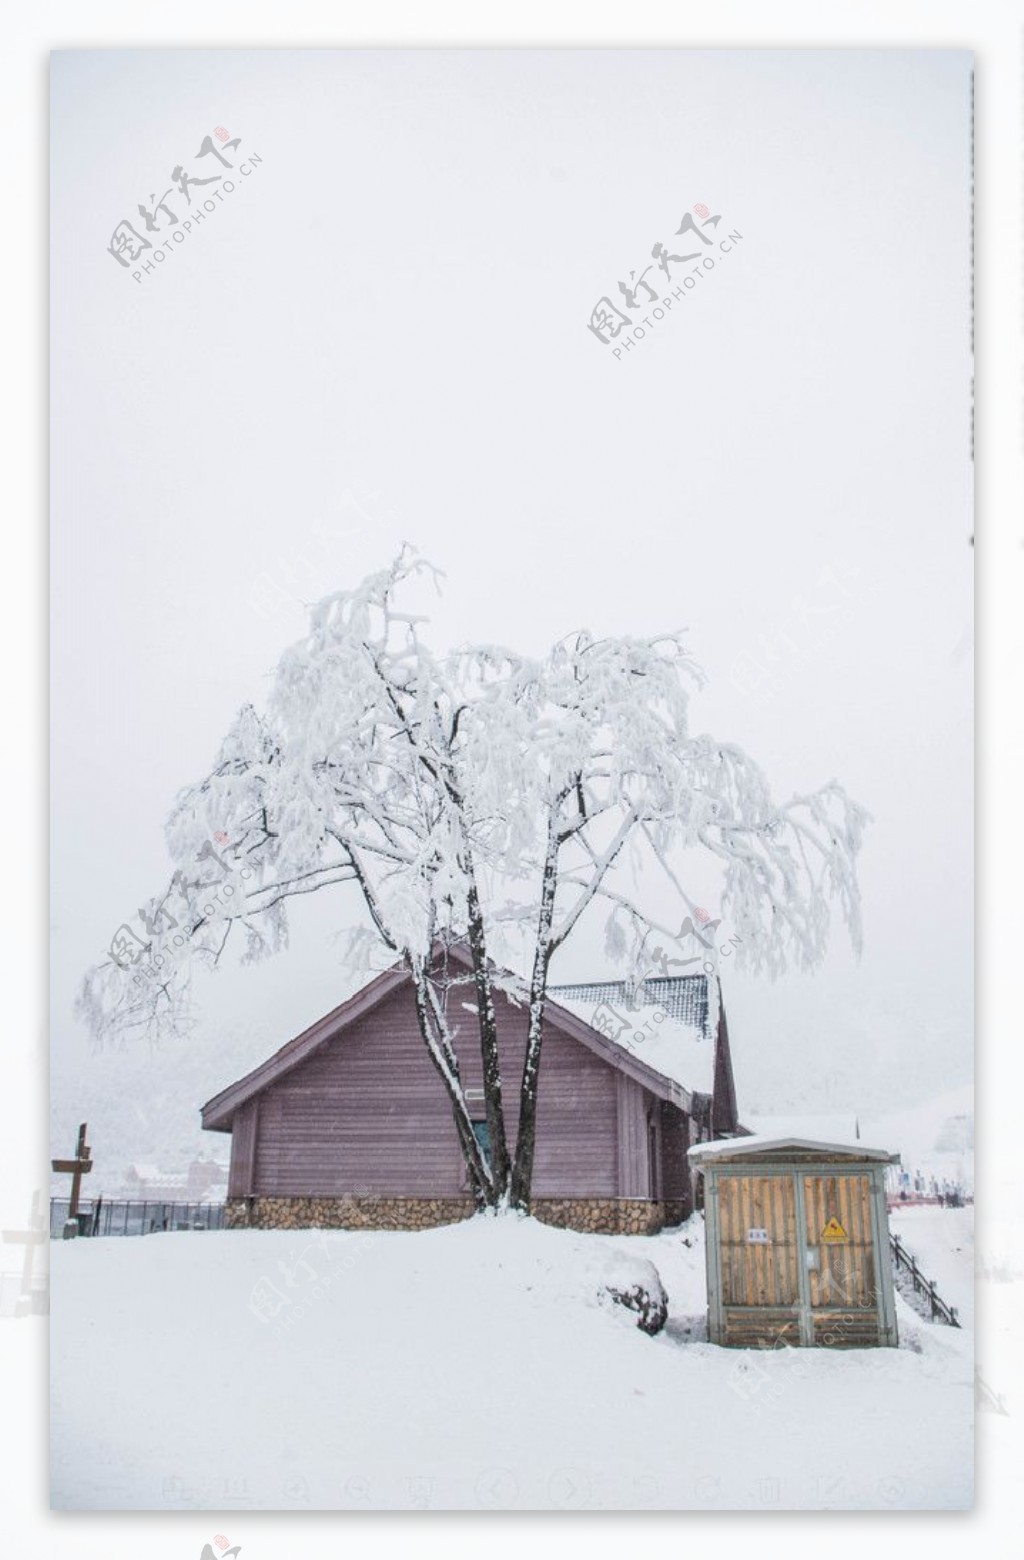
x: 394, y: 305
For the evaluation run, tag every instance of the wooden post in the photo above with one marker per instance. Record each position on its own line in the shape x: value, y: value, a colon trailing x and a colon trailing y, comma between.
x: 713, y: 1244
x: 803, y: 1271
x: 30, y: 1239
x: 76, y: 1168
x: 883, y: 1267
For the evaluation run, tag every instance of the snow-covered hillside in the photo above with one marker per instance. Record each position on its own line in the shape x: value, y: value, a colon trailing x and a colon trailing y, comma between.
x: 935, y: 1138
x: 468, y: 1367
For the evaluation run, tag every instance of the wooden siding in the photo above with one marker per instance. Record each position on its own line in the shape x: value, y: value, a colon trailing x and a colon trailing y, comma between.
x: 763, y: 1328
x: 366, y: 1115
x: 849, y: 1330
x: 241, y: 1179
x: 631, y: 1132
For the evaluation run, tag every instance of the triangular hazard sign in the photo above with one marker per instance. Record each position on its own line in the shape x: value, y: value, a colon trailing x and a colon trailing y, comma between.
x: 833, y: 1234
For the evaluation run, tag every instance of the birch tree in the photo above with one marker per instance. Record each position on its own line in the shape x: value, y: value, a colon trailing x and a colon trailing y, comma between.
x: 483, y: 797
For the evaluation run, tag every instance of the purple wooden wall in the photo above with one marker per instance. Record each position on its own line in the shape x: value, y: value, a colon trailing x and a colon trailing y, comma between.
x: 677, y: 1178
x: 367, y: 1115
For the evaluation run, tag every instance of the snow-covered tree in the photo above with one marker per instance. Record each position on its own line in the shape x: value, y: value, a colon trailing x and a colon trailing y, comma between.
x: 480, y: 796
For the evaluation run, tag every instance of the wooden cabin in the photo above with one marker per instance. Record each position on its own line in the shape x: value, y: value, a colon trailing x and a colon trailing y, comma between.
x: 797, y: 1242
x: 348, y: 1124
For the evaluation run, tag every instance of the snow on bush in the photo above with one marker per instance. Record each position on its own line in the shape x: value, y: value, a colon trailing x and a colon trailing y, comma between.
x: 635, y: 1283
x: 646, y: 1296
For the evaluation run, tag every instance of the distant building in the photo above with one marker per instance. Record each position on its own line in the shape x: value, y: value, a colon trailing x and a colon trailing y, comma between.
x: 205, y: 1180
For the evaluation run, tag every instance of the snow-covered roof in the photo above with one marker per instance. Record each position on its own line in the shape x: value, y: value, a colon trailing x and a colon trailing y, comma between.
x: 754, y: 1146
x: 667, y: 1023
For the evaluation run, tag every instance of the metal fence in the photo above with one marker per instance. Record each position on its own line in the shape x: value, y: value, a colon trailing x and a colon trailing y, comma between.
x: 114, y: 1216
x: 921, y: 1286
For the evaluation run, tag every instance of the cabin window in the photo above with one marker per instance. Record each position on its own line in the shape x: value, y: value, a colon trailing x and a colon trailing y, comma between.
x: 482, y: 1133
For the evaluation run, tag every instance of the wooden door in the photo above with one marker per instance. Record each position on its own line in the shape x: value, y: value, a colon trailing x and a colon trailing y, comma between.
x: 760, y: 1259
x: 843, y: 1293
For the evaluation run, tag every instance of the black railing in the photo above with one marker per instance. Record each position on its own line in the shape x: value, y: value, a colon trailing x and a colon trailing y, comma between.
x: 922, y: 1286
x: 115, y: 1216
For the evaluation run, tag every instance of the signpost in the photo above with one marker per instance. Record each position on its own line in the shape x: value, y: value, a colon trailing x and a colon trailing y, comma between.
x: 76, y: 1168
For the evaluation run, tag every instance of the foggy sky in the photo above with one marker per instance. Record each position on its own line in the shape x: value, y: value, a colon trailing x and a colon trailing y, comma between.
x: 381, y: 335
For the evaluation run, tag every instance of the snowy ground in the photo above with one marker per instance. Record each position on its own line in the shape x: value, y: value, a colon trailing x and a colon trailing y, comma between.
x: 471, y: 1368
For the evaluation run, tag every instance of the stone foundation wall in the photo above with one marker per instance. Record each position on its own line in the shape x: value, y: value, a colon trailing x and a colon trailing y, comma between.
x: 592, y: 1215
x: 601, y: 1215
x: 345, y: 1213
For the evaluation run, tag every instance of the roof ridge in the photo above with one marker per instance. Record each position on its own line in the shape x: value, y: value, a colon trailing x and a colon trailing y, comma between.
x: 624, y: 980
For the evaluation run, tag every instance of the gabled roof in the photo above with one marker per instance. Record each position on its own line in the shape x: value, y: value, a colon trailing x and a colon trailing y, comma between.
x: 218, y: 1113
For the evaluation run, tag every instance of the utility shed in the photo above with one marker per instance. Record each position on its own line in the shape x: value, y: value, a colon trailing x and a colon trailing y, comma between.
x: 797, y: 1243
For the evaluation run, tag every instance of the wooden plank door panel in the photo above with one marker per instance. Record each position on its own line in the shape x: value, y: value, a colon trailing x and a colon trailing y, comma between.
x: 844, y: 1279
x: 756, y: 1273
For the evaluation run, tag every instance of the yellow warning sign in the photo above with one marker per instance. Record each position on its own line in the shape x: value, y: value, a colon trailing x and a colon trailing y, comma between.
x: 833, y: 1234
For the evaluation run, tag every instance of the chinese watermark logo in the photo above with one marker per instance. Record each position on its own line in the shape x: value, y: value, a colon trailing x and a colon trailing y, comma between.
x: 195, y: 901
x: 299, y: 1287
x: 608, y: 321
x: 629, y: 1031
x: 138, y: 242
x: 813, y: 621
x: 220, y: 1551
